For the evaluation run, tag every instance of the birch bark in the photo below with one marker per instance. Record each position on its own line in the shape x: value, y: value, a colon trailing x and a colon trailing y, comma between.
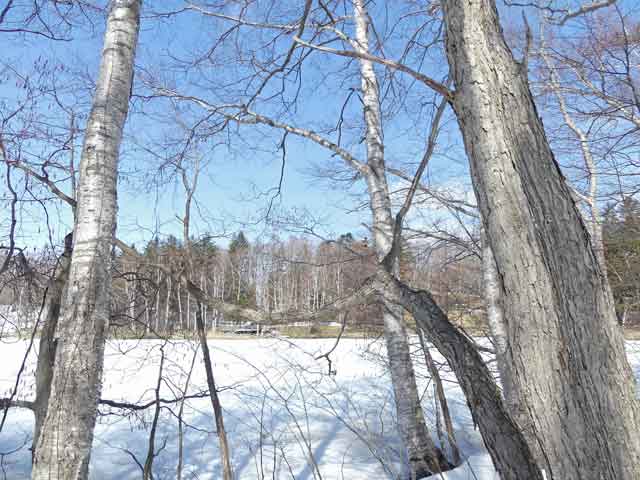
x: 503, y: 438
x: 424, y: 457
x: 64, y: 444
x: 495, y: 314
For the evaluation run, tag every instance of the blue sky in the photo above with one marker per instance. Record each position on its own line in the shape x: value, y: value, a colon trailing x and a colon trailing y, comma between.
x: 233, y: 191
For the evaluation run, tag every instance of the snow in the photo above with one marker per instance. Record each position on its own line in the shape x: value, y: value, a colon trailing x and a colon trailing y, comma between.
x: 284, y: 415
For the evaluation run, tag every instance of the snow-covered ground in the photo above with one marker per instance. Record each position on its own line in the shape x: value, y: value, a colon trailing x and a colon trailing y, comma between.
x: 286, y: 418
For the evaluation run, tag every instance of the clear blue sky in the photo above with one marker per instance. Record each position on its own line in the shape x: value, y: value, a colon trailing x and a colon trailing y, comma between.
x: 234, y: 188
x: 238, y: 182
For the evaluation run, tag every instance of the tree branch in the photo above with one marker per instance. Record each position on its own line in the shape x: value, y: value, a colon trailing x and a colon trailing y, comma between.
x: 585, y: 9
x: 248, y: 117
x: 48, y: 182
x: 6, y: 403
x: 400, y: 216
x: 431, y: 83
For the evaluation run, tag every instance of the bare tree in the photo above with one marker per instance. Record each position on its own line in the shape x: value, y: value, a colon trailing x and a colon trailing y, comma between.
x: 566, y: 381
x: 424, y: 457
x: 47, y: 345
x: 570, y: 374
x: 64, y: 444
x: 147, y: 471
x: 591, y: 198
x: 190, y: 188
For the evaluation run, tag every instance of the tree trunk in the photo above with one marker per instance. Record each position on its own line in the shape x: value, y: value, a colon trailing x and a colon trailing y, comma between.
x: 495, y: 316
x: 147, y: 318
x: 424, y: 457
x: 504, y: 440
x: 180, y: 416
x: 167, y: 309
x: 64, y: 444
x: 570, y: 374
x: 199, y: 296
x: 593, y: 218
x: 441, y: 399
x: 157, y: 298
x: 493, y: 293
x: 225, y: 453
x: 147, y: 471
x: 188, y: 311
x: 180, y: 318
x: 47, y: 345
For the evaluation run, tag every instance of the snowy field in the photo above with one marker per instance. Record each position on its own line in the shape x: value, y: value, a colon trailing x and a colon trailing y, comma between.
x: 286, y: 418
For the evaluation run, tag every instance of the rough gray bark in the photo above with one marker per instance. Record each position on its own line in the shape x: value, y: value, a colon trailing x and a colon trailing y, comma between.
x: 503, y: 438
x: 593, y: 219
x: 493, y: 293
x: 64, y: 444
x: 424, y: 457
x: 570, y: 374
x: 47, y: 346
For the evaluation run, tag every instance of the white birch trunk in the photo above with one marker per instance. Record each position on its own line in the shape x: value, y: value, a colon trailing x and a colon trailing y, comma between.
x: 593, y: 219
x: 504, y: 440
x: 147, y: 318
x: 495, y: 315
x: 180, y: 317
x: 157, y: 312
x: 188, y: 310
x: 424, y: 457
x: 167, y: 307
x: 64, y: 444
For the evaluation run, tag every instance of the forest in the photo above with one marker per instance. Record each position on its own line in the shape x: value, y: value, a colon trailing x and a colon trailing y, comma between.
x: 320, y: 239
